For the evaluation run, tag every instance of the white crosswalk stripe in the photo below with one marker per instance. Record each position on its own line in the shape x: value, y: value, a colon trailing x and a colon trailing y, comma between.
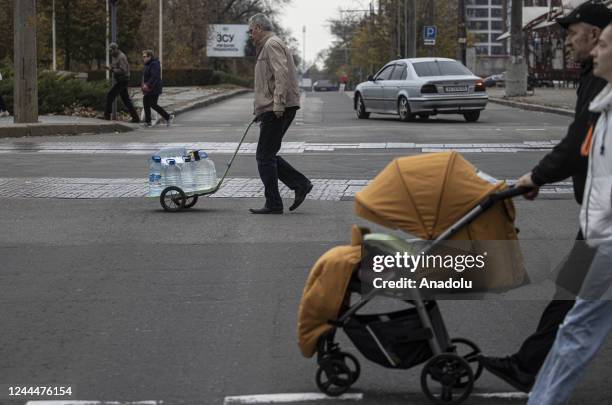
x: 237, y: 187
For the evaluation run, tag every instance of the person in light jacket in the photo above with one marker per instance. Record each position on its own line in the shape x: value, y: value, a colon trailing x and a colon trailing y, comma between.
x: 152, y: 88
x: 277, y: 99
x: 589, y: 322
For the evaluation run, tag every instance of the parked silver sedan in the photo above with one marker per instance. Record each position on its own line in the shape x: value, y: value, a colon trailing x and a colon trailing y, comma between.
x: 422, y: 87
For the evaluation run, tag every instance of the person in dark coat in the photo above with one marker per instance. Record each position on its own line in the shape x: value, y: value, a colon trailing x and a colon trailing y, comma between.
x: 120, y: 68
x: 584, y: 25
x: 152, y: 88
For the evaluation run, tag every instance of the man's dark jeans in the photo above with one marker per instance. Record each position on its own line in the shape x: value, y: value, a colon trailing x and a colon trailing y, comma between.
x: 272, y: 167
x: 120, y: 89
x: 150, y: 101
x: 574, y: 269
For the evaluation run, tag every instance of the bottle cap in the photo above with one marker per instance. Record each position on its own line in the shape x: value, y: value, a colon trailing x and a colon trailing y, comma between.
x: 187, y: 159
x: 171, y: 162
x: 157, y: 159
x: 203, y: 154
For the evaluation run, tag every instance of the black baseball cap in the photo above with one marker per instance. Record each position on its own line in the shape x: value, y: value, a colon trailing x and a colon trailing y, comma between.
x: 592, y: 12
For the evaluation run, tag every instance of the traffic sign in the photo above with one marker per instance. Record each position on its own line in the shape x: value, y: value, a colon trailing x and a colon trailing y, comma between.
x: 429, y: 34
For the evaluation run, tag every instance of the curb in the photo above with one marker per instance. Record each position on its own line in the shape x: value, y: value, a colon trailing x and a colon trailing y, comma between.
x: 64, y: 129
x: 209, y: 101
x: 532, y: 107
x: 42, y: 129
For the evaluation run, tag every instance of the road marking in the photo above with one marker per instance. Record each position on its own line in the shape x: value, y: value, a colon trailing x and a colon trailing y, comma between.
x: 289, y: 398
x: 501, y: 395
x: 92, y: 402
x: 288, y: 148
x: 236, y: 187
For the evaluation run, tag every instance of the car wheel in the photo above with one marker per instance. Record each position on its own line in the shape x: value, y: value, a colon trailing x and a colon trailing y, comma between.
x: 472, y: 116
x: 403, y: 109
x: 362, y: 113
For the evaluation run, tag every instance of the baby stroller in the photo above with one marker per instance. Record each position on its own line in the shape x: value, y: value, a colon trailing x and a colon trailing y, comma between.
x: 436, y: 197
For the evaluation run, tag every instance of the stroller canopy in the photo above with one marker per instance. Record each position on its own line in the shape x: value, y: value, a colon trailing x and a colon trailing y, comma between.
x: 424, y: 194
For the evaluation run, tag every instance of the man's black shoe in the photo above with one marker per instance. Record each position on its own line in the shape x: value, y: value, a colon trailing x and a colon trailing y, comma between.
x: 300, y: 196
x: 265, y: 210
x: 508, y: 370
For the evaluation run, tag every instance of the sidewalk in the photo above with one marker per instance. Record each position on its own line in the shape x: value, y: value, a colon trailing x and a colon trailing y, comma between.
x: 176, y: 100
x: 557, y: 101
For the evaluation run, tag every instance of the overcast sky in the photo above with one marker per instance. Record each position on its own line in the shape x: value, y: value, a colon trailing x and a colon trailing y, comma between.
x: 314, y: 15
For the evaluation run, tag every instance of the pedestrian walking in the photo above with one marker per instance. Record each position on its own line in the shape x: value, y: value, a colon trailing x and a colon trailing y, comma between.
x: 152, y: 88
x: 583, y: 25
x: 589, y: 321
x: 3, y: 110
x: 277, y: 98
x: 120, y: 68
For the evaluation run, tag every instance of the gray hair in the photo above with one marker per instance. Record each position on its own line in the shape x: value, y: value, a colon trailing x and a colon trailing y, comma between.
x: 262, y: 21
x: 113, y: 45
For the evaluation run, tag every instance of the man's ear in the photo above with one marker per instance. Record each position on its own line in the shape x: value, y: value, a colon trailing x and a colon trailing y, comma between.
x: 595, y: 33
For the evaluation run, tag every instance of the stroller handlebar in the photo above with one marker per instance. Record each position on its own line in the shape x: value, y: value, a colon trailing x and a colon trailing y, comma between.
x: 510, y: 192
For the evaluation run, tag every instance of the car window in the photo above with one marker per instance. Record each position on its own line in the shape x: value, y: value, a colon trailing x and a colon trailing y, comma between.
x: 385, y: 74
x: 399, y: 73
x: 440, y: 68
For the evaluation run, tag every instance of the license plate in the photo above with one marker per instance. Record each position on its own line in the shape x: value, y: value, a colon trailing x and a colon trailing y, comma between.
x: 455, y: 89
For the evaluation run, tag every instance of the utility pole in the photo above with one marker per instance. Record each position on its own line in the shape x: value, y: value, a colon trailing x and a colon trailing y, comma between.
x: 107, y: 39
x: 303, y: 49
x: 516, y: 80
x: 54, y: 38
x: 411, y: 28
x: 461, y: 32
x: 399, y: 28
x: 113, y: 13
x: 25, y: 91
x: 431, y: 10
x: 161, y: 37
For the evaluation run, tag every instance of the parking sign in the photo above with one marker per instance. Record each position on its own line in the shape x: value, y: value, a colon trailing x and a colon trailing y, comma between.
x: 429, y: 34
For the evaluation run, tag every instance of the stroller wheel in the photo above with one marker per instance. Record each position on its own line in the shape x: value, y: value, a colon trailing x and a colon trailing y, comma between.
x: 334, y: 377
x: 172, y: 199
x: 191, y: 201
x: 352, y: 364
x: 447, y: 379
x: 470, y: 353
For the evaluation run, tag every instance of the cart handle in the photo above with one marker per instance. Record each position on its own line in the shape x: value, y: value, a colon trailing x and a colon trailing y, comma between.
x: 229, y: 164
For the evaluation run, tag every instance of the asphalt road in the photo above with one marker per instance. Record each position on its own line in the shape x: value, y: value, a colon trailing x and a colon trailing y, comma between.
x: 127, y: 303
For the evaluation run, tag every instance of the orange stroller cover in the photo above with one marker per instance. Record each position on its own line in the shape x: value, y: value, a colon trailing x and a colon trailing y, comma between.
x: 425, y: 194
x: 324, y: 292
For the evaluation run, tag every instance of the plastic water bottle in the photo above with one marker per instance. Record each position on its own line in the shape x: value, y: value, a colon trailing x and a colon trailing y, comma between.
x: 155, y: 176
x: 172, y: 174
x: 207, y: 175
x: 187, y: 174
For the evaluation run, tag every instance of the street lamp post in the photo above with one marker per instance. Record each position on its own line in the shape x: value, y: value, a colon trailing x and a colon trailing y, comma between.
x: 113, y: 16
x: 54, y: 37
x: 25, y: 91
x: 161, y: 36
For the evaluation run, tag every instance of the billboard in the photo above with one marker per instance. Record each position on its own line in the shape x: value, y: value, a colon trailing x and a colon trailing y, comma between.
x: 227, y: 40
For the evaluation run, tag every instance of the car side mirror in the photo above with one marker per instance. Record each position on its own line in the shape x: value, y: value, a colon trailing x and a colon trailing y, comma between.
x: 371, y: 78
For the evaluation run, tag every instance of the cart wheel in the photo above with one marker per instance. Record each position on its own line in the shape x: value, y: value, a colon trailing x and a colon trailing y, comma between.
x: 172, y: 199
x: 191, y: 201
x: 334, y: 377
x: 453, y: 375
x: 470, y: 353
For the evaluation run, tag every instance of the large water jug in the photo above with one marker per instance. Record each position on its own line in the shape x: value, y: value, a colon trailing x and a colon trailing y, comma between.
x: 188, y: 174
x: 155, y: 176
x: 171, y: 174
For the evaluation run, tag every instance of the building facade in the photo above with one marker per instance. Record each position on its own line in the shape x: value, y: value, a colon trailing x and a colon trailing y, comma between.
x: 486, y: 20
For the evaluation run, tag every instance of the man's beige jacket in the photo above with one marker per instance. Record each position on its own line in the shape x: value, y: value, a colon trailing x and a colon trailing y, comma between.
x: 276, y: 82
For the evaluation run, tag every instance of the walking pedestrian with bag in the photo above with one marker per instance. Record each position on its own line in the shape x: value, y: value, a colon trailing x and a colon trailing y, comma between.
x: 3, y: 110
x: 152, y: 88
x: 120, y: 68
x: 589, y: 322
x: 277, y: 98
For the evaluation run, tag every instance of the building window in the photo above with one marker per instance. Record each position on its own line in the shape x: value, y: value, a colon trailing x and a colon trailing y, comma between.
x: 482, y: 50
x: 498, y: 50
x: 481, y: 37
x: 496, y: 12
x: 478, y: 25
x: 477, y: 2
x: 497, y: 25
x: 496, y: 2
x: 478, y: 12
